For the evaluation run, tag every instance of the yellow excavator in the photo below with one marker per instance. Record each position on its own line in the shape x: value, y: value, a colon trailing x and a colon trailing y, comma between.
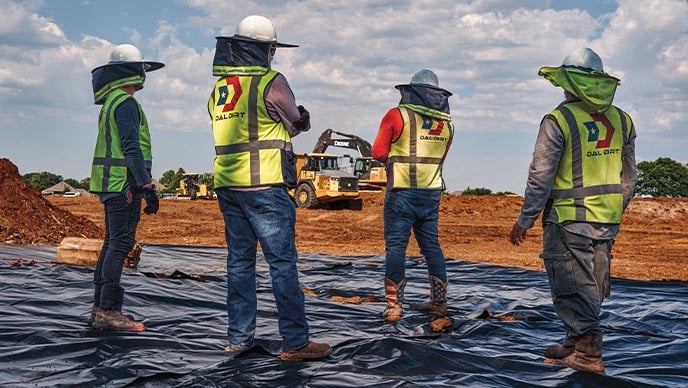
x: 371, y: 173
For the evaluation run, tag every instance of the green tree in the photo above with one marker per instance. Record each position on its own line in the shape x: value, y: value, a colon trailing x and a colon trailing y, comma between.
x: 171, y: 179
x: 41, y: 180
x: 477, y: 191
x: 86, y: 183
x: 662, y: 178
x: 73, y: 182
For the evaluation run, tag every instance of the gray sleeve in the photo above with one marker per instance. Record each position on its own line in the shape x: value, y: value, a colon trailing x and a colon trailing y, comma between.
x: 281, y: 104
x: 629, y: 174
x: 543, y: 169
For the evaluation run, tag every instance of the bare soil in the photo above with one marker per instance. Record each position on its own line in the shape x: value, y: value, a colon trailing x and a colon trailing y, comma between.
x: 652, y: 245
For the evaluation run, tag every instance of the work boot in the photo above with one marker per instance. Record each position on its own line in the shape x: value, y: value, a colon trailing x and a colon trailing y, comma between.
x: 92, y: 318
x: 437, y: 305
x: 115, y: 320
x: 394, y: 296
x: 311, y: 351
x: 558, y: 352
x: 587, y: 356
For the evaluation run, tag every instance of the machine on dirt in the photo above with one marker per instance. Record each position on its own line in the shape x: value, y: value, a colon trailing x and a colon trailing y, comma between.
x: 190, y: 186
x: 370, y: 172
x: 320, y: 181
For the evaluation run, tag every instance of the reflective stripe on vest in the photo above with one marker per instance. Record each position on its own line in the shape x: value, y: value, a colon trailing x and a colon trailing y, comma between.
x: 249, y: 144
x: 587, y: 187
x: 416, y: 157
x: 109, y: 170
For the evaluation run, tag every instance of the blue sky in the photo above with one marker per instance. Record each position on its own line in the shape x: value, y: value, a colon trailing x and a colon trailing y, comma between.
x: 487, y: 52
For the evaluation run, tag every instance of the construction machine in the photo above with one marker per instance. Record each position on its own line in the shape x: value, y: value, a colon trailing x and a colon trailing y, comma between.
x: 321, y: 181
x: 370, y: 172
x: 189, y: 186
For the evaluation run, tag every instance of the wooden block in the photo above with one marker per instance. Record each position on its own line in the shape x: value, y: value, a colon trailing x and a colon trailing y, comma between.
x: 79, y: 251
x: 85, y: 251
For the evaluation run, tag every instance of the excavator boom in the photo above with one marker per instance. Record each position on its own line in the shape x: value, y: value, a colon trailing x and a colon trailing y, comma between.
x: 371, y: 173
x: 348, y: 141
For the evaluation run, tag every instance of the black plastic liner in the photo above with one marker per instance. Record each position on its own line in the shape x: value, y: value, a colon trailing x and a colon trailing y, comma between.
x: 503, y: 320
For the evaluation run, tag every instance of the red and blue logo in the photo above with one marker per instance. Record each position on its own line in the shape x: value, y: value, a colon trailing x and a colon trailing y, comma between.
x: 594, y: 130
x: 434, y: 127
x: 232, y: 89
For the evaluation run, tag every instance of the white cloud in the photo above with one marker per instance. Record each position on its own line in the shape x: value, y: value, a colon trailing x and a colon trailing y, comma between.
x: 352, y: 54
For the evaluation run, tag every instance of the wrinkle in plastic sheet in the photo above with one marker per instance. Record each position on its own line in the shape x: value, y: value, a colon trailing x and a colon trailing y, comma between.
x: 180, y: 294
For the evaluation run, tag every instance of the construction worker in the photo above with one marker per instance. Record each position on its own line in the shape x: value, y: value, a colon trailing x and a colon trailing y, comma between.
x: 254, y: 116
x: 582, y: 178
x: 121, y: 175
x: 413, y: 140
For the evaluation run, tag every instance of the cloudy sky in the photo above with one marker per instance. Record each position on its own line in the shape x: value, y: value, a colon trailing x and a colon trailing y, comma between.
x: 351, y: 54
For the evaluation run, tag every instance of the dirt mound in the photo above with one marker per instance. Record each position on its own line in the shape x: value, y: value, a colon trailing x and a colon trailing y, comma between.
x: 28, y: 218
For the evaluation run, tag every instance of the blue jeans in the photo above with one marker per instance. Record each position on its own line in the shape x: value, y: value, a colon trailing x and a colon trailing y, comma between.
x: 418, y: 210
x: 121, y: 220
x: 269, y: 217
x: 579, y: 277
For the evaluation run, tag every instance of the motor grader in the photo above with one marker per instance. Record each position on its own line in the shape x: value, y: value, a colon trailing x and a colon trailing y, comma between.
x: 190, y: 186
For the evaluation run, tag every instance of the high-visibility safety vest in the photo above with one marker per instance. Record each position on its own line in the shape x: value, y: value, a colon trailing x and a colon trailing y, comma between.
x: 250, y: 146
x: 587, y: 187
x: 416, y: 157
x: 109, y: 170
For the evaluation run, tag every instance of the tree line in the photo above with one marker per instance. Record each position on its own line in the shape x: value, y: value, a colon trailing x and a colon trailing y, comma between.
x: 663, y: 177
x: 170, y: 179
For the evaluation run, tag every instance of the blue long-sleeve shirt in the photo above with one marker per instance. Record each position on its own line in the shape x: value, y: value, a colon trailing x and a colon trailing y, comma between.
x: 549, y: 147
x: 128, y: 120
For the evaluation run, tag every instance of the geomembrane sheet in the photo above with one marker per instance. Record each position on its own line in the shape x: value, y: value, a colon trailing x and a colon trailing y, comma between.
x: 502, y: 322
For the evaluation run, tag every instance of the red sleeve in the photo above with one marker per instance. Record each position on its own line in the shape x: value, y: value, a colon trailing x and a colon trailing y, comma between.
x: 389, y: 132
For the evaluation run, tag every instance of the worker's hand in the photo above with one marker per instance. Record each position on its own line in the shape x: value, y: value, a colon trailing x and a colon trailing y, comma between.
x: 152, y: 203
x: 304, y: 122
x: 518, y: 234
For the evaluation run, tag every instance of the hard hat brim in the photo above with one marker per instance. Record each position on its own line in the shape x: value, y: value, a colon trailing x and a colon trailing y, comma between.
x: 422, y: 85
x: 148, y: 66
x: 247, y: 39
x: 152, y: 65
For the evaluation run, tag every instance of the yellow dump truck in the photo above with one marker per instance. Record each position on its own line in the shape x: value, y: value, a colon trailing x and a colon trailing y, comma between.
x: 320, y: 181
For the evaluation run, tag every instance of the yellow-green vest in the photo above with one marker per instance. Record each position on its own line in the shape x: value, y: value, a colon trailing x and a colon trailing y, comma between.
x: 249, y: 144
x: 109, y: 170
x: 416, y: 157
x: 587, y: 187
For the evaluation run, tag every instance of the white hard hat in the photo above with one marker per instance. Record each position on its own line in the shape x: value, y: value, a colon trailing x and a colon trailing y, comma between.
x: 425, y: 76
x: 258, y: 28
x: 127, y: 53
x: 585, y: 58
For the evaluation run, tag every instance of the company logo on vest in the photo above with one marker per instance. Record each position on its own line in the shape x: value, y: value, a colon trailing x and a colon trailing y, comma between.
x: 235, y: 86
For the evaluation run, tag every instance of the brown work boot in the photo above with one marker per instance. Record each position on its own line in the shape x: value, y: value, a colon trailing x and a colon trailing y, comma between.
x: 587, y: 356
x: 566, y: 349
x: 115, y: 320
x: 437, y: 305
x: 394, y: 296
x: 311, y: 351
x: 95, y: 309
